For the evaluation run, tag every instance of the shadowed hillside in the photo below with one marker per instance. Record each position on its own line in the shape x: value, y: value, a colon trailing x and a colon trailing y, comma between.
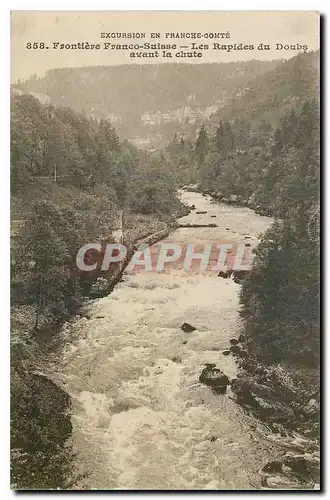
x: 151, y: 99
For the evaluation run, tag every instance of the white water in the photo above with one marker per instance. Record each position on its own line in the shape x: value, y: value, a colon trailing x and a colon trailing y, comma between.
x: 141, y: 419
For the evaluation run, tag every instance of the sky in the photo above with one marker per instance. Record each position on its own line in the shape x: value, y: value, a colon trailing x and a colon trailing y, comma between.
x: 247, y: 27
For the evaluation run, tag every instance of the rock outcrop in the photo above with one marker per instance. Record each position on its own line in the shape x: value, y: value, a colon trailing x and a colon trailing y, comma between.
x: 214, y: 378
x: 187, y: 328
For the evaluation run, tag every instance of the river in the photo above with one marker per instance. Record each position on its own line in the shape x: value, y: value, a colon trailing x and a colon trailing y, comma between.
x: 141, y: 419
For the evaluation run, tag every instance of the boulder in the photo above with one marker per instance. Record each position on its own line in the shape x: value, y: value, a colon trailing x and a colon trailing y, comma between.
x: 235, y: 349
x: 226, y: 353
x: 252, y: 199
x: 274, y: 466
x: 215, y: 378
x: 304, y: 466
x: 233, y: 341
x: 192, y: 207
x: 261, y: 399
x: 312, y: 408
x: 241, y: 338
x: 225, y: 274
x: 281, y: 483
x: 187, y: 328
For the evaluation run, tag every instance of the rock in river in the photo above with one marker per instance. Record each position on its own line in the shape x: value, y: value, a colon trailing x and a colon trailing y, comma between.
x: 235, y: 349
x: 233, y: 341
x: 187, y: 328
x: 312, y: 408
x: 214, y: 378
x: 261, y: 399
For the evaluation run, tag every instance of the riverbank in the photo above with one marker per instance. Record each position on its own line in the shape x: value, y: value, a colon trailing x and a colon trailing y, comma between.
x: 286, y: 399
x: 41, y: 451
x: 233, y: 199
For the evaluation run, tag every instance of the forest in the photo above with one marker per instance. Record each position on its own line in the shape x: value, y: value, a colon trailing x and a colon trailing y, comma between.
x: 272, y: 166
x: 276, y: 172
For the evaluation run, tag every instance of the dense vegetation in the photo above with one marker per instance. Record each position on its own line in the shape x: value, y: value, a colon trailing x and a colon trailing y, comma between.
x: 97, y: 177
x: 179, y: 95
x: 269, y: 96
x: 277, y: 173
x: 143, y: 86
x: 281, y: 296
x: 275, y: 170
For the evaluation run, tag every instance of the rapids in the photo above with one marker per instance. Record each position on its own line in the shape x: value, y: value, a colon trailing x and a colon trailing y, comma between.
x: 141, y: 419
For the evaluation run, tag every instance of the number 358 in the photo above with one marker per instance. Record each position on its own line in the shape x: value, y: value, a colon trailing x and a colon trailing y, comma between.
x: 35, y: 45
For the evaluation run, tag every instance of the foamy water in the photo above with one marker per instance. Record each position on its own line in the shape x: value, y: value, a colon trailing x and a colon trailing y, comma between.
x: 141, y: 419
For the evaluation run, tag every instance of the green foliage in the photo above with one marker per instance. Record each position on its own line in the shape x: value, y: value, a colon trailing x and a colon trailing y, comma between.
x: 153, y: 188
x: 182, y: 159
x: 272, y: 165
x: 278, y: 169
x: 280, y: 297
x: 268, y: 96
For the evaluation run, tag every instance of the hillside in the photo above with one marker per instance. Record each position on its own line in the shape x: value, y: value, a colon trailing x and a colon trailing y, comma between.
x: 267, y: 97
x: 150, y: 100
x: 149, y: 104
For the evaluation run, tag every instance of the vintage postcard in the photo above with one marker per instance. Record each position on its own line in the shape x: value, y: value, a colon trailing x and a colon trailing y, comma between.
x: 165, y: 250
